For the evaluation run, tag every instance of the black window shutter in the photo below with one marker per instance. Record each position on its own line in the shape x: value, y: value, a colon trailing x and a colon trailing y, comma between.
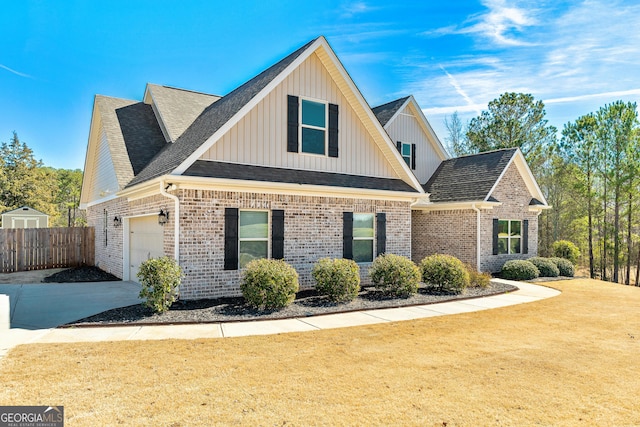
x: 399, y: 146
x: 292, y: 124
x: 347, y: 235
x: 231, y: 239
x: 333, y: 130
x: 381, y: 233
x: 496, y: 226
x: 277, y: 234
x: 525, y: 236
x: 413, y: 156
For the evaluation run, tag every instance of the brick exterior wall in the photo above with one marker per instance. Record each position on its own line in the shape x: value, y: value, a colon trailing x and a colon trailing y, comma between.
x: 453, y: 232
x: 313, y: 230
x: 515, y: 198
x: 110, y: 239
x: 444, y: 232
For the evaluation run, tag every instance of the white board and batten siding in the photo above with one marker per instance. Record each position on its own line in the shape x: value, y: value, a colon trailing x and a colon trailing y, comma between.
x: 406, y: 128
x: 104, y: 181
x: 260, y: 138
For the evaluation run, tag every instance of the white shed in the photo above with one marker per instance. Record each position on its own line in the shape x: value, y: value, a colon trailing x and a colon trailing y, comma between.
x: 25, y: 217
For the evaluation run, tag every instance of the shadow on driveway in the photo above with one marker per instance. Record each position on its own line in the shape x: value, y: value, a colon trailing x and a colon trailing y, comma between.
x: 43, y: 306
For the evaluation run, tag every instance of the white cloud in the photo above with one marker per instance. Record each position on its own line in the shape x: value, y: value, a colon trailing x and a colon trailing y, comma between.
x: 500, y: 24
x: 459, y: 89
x: 17, y: 73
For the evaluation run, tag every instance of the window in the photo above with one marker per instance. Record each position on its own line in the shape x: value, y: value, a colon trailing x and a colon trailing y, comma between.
x: 314, y: 127
x: 253, y: 236
x: 406, y: 153
x: 363, y: 237
x: 509, y: 237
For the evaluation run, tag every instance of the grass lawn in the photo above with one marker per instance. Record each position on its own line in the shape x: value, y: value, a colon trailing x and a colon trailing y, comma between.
x: 569, y: 360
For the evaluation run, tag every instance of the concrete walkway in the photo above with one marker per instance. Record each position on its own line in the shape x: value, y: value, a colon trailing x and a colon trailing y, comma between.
x: 527, y: 293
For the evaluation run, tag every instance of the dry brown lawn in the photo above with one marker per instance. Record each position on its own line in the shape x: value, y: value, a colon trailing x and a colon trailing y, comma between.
x: 569, y: 360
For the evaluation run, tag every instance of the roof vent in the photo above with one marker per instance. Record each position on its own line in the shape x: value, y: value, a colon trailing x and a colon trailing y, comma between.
x: 25, y: 209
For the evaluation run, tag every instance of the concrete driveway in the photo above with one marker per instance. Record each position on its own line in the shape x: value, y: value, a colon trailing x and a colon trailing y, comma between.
x: 47, y: 305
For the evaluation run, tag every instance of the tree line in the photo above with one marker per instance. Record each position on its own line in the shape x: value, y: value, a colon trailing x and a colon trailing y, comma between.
x: 588, y: 174
x: 25, y: 181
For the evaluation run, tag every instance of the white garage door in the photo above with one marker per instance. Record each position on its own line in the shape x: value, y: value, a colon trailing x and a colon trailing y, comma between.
x: 146, y: 240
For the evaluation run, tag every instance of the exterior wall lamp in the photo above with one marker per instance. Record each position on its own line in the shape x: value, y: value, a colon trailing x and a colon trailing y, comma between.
x: 163, y: 217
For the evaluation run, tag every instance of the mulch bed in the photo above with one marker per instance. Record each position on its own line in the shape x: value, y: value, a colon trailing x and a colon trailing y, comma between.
x: 307, y: 303
x: 81, y: 274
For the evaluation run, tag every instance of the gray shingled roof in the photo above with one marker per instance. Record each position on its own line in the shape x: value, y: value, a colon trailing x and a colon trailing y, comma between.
x: 203, y: 168
x: 386, y: 111
x: 212, y: 119
x: 469, y: 177
x: 143, y: 138
x: 179, y: 107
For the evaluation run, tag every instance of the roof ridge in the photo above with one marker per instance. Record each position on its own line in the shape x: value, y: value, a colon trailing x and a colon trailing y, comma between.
x: 197, y: 92
x: 483, y: 153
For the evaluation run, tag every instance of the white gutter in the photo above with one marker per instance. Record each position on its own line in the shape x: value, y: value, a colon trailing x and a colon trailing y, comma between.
x: 176, y: 221
x: 473, y: 206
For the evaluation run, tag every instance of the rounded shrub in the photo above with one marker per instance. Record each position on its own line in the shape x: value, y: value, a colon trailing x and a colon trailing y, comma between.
x: 269, y: 284
x: 160, y: 278
x: 545, y: 266
x: 517, y: 269
x: 565, y: 266
x: 567, y: 250
x: 477, y: 279
x: 339, y: 279
x: 395, y: 275
x: 444, y: 273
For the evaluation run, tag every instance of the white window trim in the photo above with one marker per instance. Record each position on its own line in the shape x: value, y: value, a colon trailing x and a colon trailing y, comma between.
x: 372, y: 238
x: 255, y: 239
x: 509, y: 236
x: 325, y: 129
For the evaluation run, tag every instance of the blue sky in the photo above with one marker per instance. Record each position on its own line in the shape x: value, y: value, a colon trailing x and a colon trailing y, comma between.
x: 452, y: 56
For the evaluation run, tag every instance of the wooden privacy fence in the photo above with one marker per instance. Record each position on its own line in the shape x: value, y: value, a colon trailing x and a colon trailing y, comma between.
x: 41, y: 248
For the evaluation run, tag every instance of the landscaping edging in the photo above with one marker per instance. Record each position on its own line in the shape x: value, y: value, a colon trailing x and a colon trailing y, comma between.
x: 234, y: 310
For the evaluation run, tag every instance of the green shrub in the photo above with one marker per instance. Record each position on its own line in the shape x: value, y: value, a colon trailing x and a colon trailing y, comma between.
x: 565, y: 266
x: 477, y: 279
x: 567, y: 250
x: 395, y: 275
x: 269, y: 284
x: 545, y: 266
x: 339, y: 279
x: 517, y: 269
x: 444, y: 273
x: 159, y: 277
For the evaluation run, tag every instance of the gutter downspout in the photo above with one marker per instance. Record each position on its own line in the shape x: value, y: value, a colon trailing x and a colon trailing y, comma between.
x: 176, y: 222
x: 473, y: 206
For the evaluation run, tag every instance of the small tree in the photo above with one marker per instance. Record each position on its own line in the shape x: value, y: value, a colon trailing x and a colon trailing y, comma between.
x: 160, y: 278
x: 567, y: 250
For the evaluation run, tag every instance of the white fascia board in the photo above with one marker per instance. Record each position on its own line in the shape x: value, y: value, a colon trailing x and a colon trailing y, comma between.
x: 145, y: 189
x: 98, y: 201
x: 247, y: 108
x: 450, y: 206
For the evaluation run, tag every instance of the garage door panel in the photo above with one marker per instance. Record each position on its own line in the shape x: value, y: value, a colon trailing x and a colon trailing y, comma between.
x: 146, y: 240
